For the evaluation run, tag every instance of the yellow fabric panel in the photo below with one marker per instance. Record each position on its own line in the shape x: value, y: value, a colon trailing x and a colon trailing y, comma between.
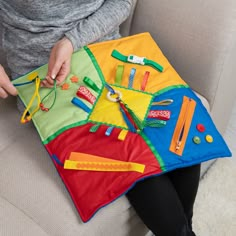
x: 108, y: 112
x: 140, y: 45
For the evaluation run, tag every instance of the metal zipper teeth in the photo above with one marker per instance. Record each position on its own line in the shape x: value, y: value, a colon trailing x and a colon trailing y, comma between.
x: 181, y: 134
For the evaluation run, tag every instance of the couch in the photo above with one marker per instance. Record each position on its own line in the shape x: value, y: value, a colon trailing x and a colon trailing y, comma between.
x: 199, y: 39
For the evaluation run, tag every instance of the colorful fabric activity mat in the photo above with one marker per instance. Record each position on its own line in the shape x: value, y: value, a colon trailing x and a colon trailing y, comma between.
x: 123, y: 114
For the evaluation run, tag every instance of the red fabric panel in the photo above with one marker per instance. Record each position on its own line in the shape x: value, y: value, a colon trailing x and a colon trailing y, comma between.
x: 90, y: 190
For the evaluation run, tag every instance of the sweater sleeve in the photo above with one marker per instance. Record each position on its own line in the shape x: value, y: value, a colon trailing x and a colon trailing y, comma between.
x: 101, y: 23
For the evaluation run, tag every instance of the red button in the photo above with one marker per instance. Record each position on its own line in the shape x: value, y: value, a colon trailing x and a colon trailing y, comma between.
x: 201, y: 128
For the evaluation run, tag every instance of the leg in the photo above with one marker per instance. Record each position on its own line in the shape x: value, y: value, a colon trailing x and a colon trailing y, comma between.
x: 185, y: 182
x: 157, y: 203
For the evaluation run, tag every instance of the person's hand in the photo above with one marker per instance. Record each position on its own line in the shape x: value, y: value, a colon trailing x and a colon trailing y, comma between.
x: 59, y: 62
x: 6, y: 87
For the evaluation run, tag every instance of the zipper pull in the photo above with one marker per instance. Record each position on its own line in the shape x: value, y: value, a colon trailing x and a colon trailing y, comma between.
x: 178, y: 145
x: 179, y: 141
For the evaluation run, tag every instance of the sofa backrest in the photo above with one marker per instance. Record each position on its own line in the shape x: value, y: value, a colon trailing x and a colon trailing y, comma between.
x: 198, y: 38
x: 126, y: 26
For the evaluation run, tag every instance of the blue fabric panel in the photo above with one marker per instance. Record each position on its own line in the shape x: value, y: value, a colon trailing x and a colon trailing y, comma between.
x: 193, y: 153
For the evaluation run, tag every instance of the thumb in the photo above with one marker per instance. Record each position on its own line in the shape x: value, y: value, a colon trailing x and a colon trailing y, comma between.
x: 64, y: 71
x: 54, y: 67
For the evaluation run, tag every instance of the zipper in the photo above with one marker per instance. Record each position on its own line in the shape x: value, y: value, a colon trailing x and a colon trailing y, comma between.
x: 182, y: 127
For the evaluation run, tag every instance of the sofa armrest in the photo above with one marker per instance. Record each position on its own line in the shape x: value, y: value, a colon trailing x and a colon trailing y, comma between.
x: 199, y: 40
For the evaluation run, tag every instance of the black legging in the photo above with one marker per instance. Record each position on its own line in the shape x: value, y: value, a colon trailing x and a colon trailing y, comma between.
x: 165, y: 202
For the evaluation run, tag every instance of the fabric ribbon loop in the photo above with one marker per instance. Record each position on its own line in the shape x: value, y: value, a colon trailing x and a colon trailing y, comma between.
x: 137, y: 60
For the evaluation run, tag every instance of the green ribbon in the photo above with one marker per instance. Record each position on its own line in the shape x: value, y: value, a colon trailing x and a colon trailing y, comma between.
x: 119, y: 74
x: 136, y: 60
x: 91, y: 84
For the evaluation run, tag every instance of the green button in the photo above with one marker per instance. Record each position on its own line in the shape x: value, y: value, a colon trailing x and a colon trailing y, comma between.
x: 196, y: 140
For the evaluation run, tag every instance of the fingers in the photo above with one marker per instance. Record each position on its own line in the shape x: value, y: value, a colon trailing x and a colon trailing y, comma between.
x: 9, y: 88
x: 47, y: 82
x: 6, y: 87
x: 51, y: 75
x: 59, y: 63
x: 54, y: 67
x: 54, y: 70
x: 3, y: 94
x: 63, y: 73
x: 60, y: 75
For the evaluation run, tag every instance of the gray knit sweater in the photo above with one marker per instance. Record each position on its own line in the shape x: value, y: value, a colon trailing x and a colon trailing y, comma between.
x: 32, y: 27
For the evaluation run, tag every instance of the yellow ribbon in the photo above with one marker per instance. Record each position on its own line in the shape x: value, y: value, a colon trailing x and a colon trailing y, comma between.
x: 104, y: 166
x: 83, y: 161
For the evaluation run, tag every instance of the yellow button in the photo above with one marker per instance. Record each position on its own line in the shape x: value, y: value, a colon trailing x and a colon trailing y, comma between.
x: 209, y: 138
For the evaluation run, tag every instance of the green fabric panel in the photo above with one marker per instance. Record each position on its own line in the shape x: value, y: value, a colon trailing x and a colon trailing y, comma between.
x: 64, y: 114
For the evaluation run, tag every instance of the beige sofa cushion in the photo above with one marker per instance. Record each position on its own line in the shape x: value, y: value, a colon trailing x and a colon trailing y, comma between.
x: 14, y: 221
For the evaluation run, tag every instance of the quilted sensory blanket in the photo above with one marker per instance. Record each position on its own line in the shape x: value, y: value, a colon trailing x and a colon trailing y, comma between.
x: 123, y: 114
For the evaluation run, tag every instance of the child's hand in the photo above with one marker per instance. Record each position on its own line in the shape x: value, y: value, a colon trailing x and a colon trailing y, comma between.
x: 6, y: 87
x: 59, y: 62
